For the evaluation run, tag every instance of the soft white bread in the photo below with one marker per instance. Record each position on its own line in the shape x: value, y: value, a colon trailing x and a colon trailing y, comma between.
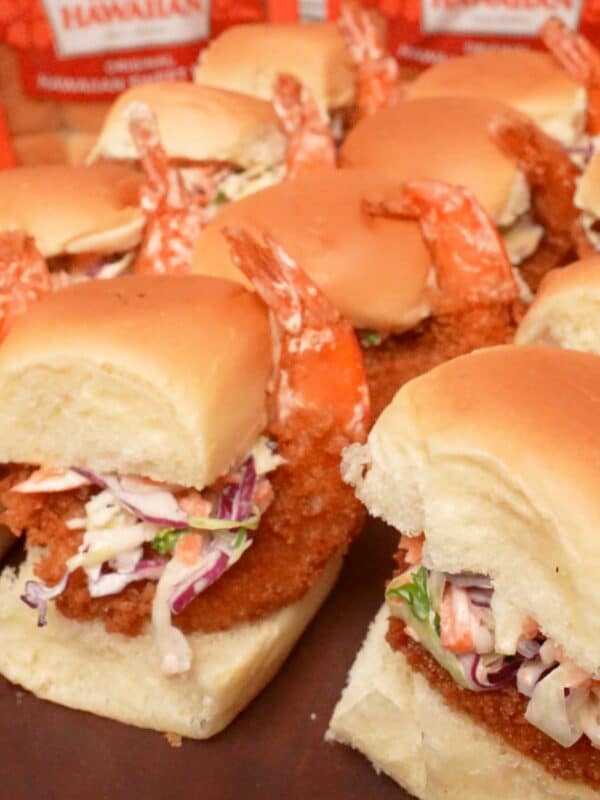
x: 374, y: 270
x: 495, y: 456
x: 73, y: 209
x: 390, y: 714
x: 566, y: 309
x: 527, y: 80
x: 587, y: 196
x: 81, y: 666
x: 445, y: 139
x: 162, y: 378
x: 197, y: 123
x: 248, y: 58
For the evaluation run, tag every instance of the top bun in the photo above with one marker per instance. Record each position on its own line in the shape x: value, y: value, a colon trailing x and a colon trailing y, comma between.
x: 445, y: 139
x: 495, y: 456
x: 248, y: 58
x: 138, y: 375
x: 374, y: 270
x: 566, y: 310
x: 73, y: 209
x: 529, y: 81
x: 197, y: 123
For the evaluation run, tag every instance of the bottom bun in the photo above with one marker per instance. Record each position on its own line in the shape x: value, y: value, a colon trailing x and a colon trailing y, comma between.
x: 81, y: 666
x: 392, y: 715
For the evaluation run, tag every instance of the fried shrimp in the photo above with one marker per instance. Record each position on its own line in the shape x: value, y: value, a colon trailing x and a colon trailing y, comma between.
x: 175, y: 216
x: 378, y: 76
x: 310, y: 141
x: 474, y: 297
x: 24, y: 277
x: 552, y: 179
x: 578, y: 56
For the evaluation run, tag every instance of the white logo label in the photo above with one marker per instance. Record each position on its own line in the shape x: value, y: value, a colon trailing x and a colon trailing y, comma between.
x: 496, y: 17
x: 88, y: 27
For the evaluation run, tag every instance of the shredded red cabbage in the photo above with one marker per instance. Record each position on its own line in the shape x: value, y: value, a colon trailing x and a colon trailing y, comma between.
x: 490, y: 676
x: 482, y: 598
x: 198, y: 582
x: 37, y: 595
x: 235, y: 502
x: 142, y: 504
x: 94, y: 268
x: 585, y: 150
x: 468, y: 580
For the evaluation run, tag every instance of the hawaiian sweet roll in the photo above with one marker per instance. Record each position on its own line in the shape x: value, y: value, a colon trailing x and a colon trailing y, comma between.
x: 452, y: 139
x: 248, y: 58
x: 202, y: 127
x: 528, y: 80
x: 376, y: 269
x: 587, y: 196
x: 159, y: 482
x: 479, y: 677
x: 83, y: 219
x: 566, y: 310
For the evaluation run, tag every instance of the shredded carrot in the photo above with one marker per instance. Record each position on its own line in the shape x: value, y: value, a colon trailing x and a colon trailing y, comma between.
x: 530, y: 629
x: 414, y: 548
x: 455, y: 629
x: 263, y: 494
x: 194, y: 504
x: 188, y: 548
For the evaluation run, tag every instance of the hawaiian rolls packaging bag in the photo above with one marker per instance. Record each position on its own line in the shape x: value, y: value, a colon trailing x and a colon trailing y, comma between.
x: 62, y: 62
x: 425, y: 32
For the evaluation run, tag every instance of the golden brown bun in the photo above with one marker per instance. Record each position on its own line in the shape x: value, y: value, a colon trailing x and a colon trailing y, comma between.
x: 374, y: 270
x: 141, y: 375
x: 587, y: 196
x: 197, y: 123
x: 248, y: 58
x: 73, y: 209
x: 442, y: 139
x: 80, y: 665
x: 35, y: 149
x: 392, y: 715
x: 531, y: 82
x: 78, y: 147
x: 24, y: 114
x: 495, y: 456
x: 566, y: 310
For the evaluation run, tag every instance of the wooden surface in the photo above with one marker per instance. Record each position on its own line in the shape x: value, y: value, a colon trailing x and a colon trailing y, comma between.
x: 273, y: 750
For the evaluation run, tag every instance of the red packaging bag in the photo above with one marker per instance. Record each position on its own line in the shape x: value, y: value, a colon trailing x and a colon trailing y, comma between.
x: 7, y: 157
x: 63, y: 61
x: 424, y: 32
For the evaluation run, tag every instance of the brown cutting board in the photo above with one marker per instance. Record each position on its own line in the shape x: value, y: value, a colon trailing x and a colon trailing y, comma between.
x: 273, y: 750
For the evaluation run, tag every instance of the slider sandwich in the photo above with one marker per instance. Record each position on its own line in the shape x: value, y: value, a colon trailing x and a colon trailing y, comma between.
x: 405, y: 276
x: 480, y: 676
x: 248, y: 59
x: 566, y: 310
x: 523, y: 178
x: 530, y: 81
x: 172, y: 464
x: 85, y: 221
x: 559, y: 88
x: 346, y: 66
x: 214, y: 136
